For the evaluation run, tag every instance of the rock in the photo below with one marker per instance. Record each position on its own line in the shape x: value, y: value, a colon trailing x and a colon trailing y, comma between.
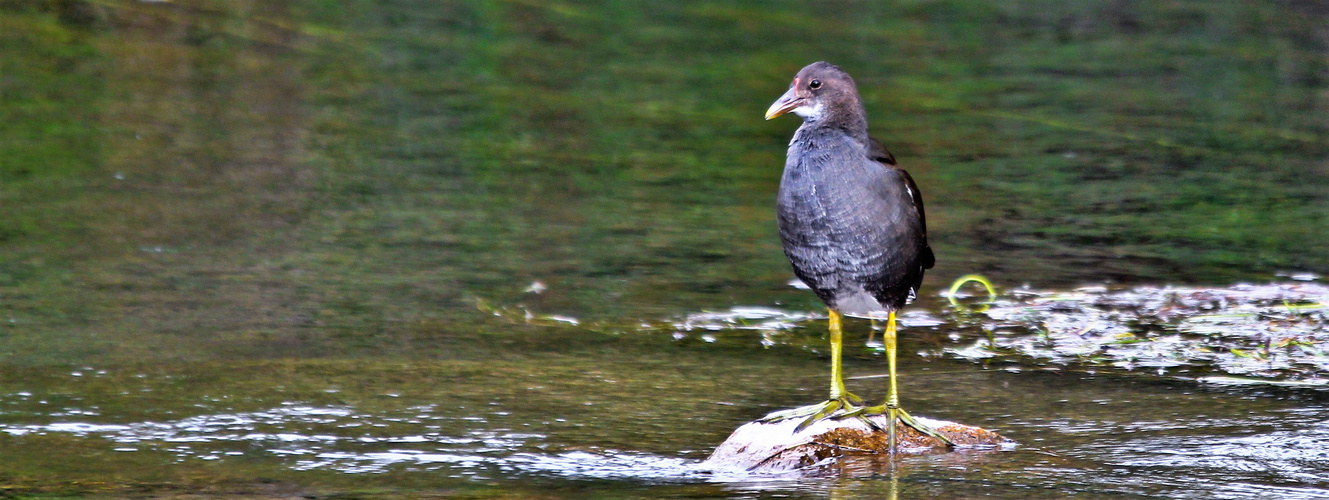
x: 775, y: 447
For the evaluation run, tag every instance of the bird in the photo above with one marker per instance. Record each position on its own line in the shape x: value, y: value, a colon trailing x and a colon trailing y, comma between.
x: 852, y: 224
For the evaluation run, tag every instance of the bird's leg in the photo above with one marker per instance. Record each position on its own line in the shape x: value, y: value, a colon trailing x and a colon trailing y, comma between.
x: 872, y: 333
x: 838, y: 392
x: 892, y: 397
x: 892, y: 406
x: 841, y: 399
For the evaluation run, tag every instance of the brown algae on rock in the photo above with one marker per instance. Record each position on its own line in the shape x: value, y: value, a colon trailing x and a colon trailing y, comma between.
x: 774, y: 447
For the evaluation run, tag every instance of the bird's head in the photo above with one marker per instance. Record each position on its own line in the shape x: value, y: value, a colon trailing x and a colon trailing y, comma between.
x: 818, y: 90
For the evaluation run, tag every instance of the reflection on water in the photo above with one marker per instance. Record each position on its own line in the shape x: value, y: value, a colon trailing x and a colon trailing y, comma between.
x: 308, y: 437
x: 1080, y: 433
x: 1118, y: 446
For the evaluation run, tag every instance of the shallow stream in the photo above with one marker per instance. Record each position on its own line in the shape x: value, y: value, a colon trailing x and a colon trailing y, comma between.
x: 527, y: 249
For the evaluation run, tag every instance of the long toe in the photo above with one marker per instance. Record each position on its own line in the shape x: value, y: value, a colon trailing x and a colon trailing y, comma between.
x: 863, y: 413
x: 905, y: 418
x: 834, y: 408
x: 792, y: 413
x: 829, y: 409
x: 921, y: 427
x: 867, y: 411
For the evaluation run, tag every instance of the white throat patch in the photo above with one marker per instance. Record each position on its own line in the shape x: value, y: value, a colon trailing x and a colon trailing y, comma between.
x: 809, y: 112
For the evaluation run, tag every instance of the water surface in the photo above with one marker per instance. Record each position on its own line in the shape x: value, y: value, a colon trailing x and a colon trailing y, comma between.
x: 259, y: 248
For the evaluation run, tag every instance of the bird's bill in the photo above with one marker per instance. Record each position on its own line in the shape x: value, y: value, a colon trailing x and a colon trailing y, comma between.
x: 785, y: 103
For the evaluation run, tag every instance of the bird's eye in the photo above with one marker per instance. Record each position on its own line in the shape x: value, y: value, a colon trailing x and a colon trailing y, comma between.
x: 815, y: 84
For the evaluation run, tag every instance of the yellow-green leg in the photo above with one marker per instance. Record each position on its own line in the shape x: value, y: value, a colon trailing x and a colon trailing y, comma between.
x: 840, y: 400
x: 892, y: 406
x: 872, y: 332
x: 837, y: 349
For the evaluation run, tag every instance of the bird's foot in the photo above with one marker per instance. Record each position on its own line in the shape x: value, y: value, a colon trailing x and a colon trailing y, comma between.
x: 835, y: 407
x: 897, y: 413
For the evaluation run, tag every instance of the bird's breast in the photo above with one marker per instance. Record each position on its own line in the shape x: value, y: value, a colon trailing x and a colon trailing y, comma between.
x: 835, y: 204
x: 819, y: 188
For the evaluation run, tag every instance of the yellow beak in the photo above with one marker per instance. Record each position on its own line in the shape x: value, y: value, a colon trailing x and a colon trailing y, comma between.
x: 785, y: 103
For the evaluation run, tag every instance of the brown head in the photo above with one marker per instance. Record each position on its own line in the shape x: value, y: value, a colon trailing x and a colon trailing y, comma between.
x: 823, y: 94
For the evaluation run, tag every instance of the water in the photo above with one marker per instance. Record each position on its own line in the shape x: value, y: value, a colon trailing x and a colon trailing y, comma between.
x: 294, y: 248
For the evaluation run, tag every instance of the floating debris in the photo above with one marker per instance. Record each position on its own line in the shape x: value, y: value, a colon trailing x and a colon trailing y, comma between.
x: 1299, y: 276
x: 1239, y: 381
x: 745, y: 318
x: 1274, y: 331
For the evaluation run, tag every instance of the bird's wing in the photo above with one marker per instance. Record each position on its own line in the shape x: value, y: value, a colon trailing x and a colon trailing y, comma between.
x: 918, y: 199
x: 877, y: 152
x: 926, y: 258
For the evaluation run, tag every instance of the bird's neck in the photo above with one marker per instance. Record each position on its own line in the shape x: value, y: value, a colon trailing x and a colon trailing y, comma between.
x: 850, y: 120
x: 817, y: 129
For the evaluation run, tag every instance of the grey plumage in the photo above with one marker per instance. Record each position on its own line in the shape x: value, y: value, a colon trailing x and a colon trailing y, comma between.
x: 853, y: 227
x: 851, y: 221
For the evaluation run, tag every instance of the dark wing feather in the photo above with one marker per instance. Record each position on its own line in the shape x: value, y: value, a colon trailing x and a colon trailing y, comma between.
x: 878, y: 152
x: 925, y: 256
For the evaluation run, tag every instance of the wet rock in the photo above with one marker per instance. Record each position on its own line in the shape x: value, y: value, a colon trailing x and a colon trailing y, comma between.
x: 773, y: 447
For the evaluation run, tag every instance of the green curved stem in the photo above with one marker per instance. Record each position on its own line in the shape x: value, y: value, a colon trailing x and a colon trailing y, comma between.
x: 987, y: 285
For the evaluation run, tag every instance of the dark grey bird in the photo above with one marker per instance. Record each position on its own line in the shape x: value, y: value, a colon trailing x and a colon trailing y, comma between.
x: 852, y: 225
